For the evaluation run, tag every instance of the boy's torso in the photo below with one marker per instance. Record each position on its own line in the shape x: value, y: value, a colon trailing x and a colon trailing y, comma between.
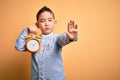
x: 47, y: 63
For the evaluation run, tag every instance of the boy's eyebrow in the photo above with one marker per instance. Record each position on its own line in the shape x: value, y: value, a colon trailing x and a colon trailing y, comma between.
x: 44, y: 18
x: 50, y: 18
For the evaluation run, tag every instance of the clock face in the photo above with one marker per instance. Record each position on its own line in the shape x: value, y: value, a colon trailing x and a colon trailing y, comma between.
x: 33, y: 45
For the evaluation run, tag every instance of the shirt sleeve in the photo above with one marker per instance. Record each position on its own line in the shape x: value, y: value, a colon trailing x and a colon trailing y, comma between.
x: 64, y: 40
x: 20, y: 42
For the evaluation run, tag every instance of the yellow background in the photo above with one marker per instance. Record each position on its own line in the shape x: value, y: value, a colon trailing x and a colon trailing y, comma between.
x: 96, y: 55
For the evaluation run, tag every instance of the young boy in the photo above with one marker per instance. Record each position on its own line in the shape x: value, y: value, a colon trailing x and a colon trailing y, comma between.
x: 49, y: 66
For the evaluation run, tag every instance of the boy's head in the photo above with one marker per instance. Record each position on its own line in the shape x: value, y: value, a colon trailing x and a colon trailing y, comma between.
x: 43, y: 9
x: 45, y: 20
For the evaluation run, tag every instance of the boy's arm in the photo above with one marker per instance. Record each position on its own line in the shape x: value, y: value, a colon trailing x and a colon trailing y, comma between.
x: 20, y: 42
x: 70, y: 35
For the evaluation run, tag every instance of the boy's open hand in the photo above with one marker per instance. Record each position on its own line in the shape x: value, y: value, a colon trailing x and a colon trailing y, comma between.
x: 72, y: 31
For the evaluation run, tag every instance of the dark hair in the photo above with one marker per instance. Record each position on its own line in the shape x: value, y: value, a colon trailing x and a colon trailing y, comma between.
x: 43, y: 9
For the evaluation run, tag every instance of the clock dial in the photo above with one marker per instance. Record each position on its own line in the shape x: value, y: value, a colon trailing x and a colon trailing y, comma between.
x: 33, y: 45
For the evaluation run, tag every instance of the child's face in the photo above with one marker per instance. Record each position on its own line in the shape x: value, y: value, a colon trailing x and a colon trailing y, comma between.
x: 46, y: 22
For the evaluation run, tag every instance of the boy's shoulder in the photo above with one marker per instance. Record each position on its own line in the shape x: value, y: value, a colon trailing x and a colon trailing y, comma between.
x: 59, y: 35
x: 55, y: 36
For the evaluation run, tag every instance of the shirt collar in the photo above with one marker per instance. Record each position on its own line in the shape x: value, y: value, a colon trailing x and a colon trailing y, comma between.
x: 43, y: 35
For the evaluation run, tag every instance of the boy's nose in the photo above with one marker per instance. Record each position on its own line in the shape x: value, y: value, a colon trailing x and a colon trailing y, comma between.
x: 46, y: 23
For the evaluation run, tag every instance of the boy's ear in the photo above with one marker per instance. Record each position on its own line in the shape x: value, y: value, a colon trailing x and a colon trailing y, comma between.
x: 55, y: 22
x: 36, y: 25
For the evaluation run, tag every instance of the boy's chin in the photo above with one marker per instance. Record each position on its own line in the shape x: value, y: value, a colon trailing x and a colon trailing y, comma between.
x: 47, y: 33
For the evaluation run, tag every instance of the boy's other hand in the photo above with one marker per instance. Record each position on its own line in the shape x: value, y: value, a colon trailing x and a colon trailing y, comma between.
x: 33, y: 29
x: 72, y: 31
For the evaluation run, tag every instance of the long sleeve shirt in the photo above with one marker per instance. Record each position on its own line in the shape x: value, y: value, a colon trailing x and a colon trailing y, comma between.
x: 47, y: 63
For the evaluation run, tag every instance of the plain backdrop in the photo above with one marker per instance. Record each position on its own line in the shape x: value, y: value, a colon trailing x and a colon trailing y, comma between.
x: 96, y: 54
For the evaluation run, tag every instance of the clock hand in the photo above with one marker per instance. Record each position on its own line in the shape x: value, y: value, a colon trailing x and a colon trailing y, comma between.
x: 34, y: 44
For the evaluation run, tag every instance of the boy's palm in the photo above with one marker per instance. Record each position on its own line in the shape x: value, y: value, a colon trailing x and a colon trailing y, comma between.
x: 72, y: 31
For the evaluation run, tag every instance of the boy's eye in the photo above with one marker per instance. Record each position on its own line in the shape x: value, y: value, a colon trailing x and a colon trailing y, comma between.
x: 49, y: 20
x: 42, y: 20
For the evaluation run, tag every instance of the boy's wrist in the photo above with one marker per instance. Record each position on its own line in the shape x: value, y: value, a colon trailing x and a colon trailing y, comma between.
x: 72, y: 40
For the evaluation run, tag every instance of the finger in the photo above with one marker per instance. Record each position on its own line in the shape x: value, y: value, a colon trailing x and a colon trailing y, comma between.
x: 72, y: 22
x: 33, y: 30
x: 73, y: 31
x: 69, y: 26
x: 76, y: 26
x: 73, y: 28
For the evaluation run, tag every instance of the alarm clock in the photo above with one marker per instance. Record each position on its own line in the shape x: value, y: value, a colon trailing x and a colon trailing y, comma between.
x: 33, y: 43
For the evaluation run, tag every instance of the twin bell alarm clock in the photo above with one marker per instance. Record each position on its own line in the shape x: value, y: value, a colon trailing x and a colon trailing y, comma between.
x: 33, y: 43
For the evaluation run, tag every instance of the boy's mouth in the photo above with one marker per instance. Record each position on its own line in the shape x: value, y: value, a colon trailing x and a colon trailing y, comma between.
x: 47, y: 28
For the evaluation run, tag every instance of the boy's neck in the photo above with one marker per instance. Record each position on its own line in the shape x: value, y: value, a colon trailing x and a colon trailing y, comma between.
x: 47, y: 34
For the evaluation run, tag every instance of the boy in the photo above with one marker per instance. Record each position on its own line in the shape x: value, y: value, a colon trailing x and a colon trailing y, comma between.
x: 49, y: 66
